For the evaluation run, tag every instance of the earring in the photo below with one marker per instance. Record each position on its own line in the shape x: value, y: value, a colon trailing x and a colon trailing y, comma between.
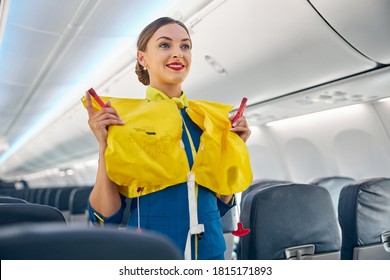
x: 145, y: 68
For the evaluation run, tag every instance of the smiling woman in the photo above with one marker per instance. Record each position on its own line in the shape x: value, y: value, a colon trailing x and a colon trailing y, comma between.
x: 166, y: 151
x: 316, y: 75
x: 170, y: 47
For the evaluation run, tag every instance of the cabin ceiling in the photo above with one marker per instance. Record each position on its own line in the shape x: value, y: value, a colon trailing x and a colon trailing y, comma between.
x: 287, y: 57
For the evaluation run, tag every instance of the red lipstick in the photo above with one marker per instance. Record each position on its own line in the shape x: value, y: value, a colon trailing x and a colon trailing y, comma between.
x: 177, y: 66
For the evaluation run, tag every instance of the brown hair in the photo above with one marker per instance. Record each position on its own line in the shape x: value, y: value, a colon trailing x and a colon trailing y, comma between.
x: 143, y: 39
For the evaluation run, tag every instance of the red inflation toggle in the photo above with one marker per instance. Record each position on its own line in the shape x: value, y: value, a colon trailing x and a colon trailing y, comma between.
x: 241, y: 231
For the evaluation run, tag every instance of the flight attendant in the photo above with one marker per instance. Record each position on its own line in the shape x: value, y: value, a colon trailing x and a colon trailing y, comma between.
x: 183, y: 159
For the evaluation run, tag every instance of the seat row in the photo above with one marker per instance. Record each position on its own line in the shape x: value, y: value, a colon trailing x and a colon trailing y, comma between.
x: 287, y: 221
x: 30, y: 231
x: 58, y: 241
x: 71, y: 201
x: 299, y: 221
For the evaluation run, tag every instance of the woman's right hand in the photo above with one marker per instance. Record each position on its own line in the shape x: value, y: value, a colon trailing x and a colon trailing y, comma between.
x: 101, y: 120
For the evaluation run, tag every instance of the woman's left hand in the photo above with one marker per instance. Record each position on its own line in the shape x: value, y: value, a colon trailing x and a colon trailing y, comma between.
x: 241, y: 127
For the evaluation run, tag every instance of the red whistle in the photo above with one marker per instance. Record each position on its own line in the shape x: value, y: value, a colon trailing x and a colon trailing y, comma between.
x: 240, y: 110
x: 241, y: 231
x: 96, y: 97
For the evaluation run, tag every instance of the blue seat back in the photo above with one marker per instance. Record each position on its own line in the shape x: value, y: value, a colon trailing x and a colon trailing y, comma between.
x: 333, y: 184
x: 282, y: 217
x: 9, y: 199
x: 364, y: 216
x: 78, y: 201
x: 58, y: 242
x: 18, y: 213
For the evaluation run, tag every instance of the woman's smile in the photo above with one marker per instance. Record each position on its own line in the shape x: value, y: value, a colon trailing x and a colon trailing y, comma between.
x: 177, y: 66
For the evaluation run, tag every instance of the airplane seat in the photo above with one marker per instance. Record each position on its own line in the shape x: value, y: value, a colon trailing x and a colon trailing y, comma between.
x: 10, y: 199
x: 78, y: 205
x: 20, y: 193
x: 364, y: 216
x: 256, y: 184
x: 61, y: 242
x: 50, y: 196
x: 41, y: 194
x: 262, y: 183
x: 24, y: 194
x: 289, y: 221
x: 19, y: 213
x: 333, y: 184
x: 6, y: 191
x: 259, y: 184
x: 32, y: 195
x: 62, y: 201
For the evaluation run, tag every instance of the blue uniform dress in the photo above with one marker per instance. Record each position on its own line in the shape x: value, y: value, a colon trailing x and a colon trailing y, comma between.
x: 167, y: 211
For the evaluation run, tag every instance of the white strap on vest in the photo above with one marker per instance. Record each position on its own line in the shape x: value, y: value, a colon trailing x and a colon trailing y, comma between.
x: 195, y: 227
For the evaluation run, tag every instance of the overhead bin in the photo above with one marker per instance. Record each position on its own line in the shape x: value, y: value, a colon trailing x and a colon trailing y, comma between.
x: 364, y: 24
x: 268, y: 48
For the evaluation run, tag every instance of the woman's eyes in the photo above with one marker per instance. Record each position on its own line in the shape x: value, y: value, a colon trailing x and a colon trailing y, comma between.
x: 167, y: 45
x: 186, y: 47
x: 164, y: 45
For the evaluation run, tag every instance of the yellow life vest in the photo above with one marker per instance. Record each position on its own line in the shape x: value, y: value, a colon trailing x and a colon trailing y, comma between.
x: 147, y: 151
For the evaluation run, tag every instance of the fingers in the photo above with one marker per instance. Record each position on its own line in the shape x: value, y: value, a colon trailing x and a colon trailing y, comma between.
x: 241, y: 122
x: 108, y: 108
x: 88, y: 103
x: 104, y: 118
x: 99, y: 121
x: 241, y: 128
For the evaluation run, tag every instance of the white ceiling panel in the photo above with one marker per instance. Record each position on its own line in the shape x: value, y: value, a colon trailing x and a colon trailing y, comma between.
x: 364, y: 24
x: 10, y: 96
x: 277, y: 47
x: 22, y: 54
x: 269, y: 48
x: 109, y: 19
x: 43, y: 15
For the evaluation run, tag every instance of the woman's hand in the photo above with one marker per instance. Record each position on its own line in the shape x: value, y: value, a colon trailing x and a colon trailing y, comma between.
x: 240, y: 127
x: 101, y: 120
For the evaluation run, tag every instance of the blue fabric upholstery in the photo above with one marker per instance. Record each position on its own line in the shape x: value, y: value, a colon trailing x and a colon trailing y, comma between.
x: 333, y: 184
x: 9, y: 199
x: 78, y: 201
x: 62, y: 198
x: 262, y: 183
x: 56, y: 242
x: 284, y: 216
x: 364, y: 214
x: 16, y: 213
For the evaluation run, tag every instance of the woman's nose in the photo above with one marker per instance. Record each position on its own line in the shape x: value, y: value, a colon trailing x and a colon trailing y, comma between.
x: 178, y: 53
